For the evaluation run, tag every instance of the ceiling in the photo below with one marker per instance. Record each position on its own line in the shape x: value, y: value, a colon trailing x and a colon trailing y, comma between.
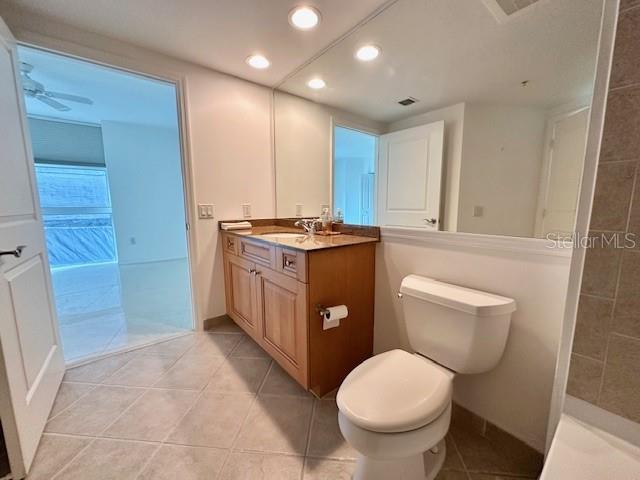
x: 447, y: 51
x: 219, y: 34
x: 117, y: 96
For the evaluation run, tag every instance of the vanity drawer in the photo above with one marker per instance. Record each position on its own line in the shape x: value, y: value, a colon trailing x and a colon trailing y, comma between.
x: 230, y: 244
x: 292, y: 263
x: 257, y: 252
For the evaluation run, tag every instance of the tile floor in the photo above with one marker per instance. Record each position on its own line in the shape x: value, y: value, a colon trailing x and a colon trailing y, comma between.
x: 214, y: 406
x: 108, y: 307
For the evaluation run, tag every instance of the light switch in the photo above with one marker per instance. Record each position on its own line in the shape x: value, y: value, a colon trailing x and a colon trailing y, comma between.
x: 299, y: 209
x: 246, y: 210
x: 205, y: 211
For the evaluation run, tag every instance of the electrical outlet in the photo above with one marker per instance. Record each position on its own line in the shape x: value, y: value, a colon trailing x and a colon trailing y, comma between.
x: 478, y: 211
x: 206, y: 211
x: 246, y: 210
x: 299, y: 209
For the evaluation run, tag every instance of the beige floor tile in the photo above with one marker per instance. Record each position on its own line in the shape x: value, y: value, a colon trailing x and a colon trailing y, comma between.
x: 260, y: 466
x: 277, y: 424
x: 142, y: 371
x: 173, y: 462
x: 172, y: 348
x: 107, y: 459
x: 96, y: 372
x: 214, y: 420
x: 215, y: 344
x: 95, y: 411
x: 67, y: 394
x: 248, y: 348
x: 153, y: 415
x: 320, y: 469
x: 326, y: 438
x: 190, y: 373
x: 279, y: 382
x: 240, y: 375
x: 54, y: 452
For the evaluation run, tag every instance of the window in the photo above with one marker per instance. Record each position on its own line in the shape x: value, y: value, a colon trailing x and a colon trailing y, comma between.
x: 77, y: 215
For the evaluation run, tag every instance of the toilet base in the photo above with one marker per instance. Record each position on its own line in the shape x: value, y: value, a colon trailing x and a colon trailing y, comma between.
x: 424, y: 466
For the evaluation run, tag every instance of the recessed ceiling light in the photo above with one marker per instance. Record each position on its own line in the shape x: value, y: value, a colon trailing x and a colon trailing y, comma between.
x: 258, y: 61
x: 304, y: 18
x: 316, y: 83
x: 368, y: 53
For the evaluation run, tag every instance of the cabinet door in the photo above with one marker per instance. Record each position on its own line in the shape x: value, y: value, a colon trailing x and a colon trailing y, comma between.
x: 240, y: 292
x: 282, y: 313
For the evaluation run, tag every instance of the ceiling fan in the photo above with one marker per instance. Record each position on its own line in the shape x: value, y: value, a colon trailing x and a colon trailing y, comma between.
x: 36, y: 90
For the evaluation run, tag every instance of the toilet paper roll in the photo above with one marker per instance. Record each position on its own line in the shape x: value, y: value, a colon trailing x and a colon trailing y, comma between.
x: 332, y: 316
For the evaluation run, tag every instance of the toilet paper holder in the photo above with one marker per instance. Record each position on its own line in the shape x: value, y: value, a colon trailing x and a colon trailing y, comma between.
x: 322, y: 311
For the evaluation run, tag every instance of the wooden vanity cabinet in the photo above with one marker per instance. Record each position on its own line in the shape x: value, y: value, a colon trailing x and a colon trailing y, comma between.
x: 272, y: 293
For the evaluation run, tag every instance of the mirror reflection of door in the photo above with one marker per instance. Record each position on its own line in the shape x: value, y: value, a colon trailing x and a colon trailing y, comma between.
x: 411, y: 176
x: 562, y: 171
x: 354, y: 175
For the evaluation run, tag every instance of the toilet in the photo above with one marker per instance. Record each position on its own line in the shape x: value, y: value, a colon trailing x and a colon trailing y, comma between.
x: 395, y: 408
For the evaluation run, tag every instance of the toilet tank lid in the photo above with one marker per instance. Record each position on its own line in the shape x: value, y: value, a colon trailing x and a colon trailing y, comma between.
x: 467, y: 300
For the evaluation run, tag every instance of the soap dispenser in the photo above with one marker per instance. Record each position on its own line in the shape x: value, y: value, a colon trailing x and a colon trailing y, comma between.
x: 326, y: 220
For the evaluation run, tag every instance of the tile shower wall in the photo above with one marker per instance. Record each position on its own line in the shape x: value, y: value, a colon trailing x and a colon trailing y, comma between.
x: 605, y: 362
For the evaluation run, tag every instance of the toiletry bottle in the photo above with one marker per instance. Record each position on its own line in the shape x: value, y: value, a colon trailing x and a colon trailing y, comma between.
x: 339, y: 218
x: 326, y: 220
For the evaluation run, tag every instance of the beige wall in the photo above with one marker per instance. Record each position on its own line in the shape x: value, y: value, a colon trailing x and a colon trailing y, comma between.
x: 502, y: 155
x: 516, y: 395
x: 229, y: 124
x: 605, y: 359
x: 453, y: 117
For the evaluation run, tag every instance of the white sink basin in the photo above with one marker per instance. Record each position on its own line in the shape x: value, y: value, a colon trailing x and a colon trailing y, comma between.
x: 283, y: 235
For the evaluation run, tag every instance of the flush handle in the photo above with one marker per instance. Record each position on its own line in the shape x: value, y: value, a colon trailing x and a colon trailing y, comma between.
x: 430, y: 221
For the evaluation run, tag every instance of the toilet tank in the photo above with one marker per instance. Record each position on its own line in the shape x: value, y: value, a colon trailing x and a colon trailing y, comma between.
x: 462, y: 329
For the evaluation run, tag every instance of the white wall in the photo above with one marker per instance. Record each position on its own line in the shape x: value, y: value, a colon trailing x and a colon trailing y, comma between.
x: 516, y: 395
x: 502, y: 154
x: 303, y: 132
x: 229, y: 140
x: 147, y: 197
x: 454, y: 117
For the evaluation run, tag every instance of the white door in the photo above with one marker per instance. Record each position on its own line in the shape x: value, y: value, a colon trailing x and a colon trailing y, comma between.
x: 410, y: 176
x: 562, y: 172
x: 31, y: 364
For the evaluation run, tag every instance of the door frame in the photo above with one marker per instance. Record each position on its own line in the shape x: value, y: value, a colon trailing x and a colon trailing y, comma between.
x: 338, y: 122
x: 545, y: 172
x: 151, y: 71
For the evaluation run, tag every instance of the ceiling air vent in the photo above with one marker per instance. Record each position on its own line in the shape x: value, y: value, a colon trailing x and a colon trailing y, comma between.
x: 503, y: 9
x: 408, y: 101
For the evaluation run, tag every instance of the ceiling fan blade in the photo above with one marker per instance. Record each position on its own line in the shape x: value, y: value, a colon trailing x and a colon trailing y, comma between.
x: 68, y: 96
x: 52, y: 103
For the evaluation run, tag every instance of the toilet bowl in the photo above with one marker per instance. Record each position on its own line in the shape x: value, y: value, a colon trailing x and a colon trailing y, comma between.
x: 395, y: 408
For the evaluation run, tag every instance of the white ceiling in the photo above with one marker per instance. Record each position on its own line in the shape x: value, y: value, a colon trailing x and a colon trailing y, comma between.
x: 117, y: 96
x: 448, y: 51
x: 219, y: 34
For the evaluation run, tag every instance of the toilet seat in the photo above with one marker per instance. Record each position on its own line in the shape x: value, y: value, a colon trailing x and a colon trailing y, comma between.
x: 395, y: 391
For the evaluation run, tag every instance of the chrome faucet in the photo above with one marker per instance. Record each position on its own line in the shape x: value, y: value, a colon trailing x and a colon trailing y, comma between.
x: 309, y: 224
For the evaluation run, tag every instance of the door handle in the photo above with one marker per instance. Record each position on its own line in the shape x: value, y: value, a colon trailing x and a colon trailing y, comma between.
x: 16, y: 253
x: 431, y: 221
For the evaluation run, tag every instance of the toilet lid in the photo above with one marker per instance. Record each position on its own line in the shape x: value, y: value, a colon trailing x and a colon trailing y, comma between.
x: 395, y: 391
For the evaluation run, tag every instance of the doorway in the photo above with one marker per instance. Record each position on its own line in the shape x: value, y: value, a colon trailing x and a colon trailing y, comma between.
x: 354, y: 175
x: 107, y: 152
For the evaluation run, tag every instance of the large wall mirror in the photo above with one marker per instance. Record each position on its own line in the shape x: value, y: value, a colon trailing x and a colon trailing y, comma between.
x: 472, y: 118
